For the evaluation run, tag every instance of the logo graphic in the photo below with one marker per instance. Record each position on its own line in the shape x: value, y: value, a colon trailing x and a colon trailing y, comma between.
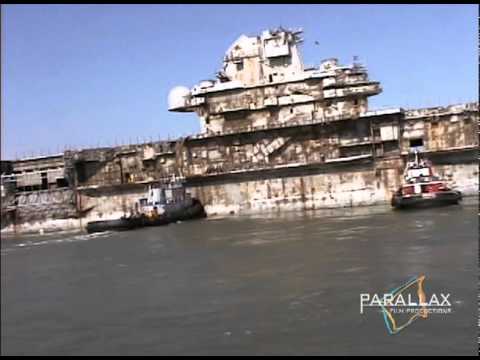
x: 405, y: 304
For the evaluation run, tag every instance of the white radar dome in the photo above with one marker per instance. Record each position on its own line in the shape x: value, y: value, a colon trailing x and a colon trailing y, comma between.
x: 177, y: 97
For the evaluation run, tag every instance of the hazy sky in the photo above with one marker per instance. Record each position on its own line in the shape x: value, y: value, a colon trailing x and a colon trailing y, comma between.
x: 84, y: 75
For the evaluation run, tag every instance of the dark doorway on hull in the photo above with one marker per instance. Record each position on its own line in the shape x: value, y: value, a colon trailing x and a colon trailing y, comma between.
x: 61, y: 182
x: 81, y: 172
x: 44, y: 181
x: 416, y: 145
x: 416, y: 142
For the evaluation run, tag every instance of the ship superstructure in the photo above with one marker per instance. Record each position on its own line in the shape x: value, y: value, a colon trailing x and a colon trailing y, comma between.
x: 264, y: 83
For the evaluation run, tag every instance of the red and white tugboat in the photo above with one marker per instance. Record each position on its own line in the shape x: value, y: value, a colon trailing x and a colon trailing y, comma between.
x: 421, y: 188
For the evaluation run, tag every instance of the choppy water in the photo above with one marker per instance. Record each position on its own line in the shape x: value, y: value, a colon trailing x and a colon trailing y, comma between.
x: 277, y: 284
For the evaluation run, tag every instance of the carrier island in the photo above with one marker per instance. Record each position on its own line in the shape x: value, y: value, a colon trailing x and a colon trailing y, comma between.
x: 275, y: 136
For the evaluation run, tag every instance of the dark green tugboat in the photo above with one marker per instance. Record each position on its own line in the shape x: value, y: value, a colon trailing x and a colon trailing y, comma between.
x: 166, y: 202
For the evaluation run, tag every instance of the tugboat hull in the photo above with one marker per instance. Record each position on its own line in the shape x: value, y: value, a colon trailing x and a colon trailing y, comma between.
x: 114, y: 225
x: 432, y: 200
x: 161, y: 220
x: 181, y: 211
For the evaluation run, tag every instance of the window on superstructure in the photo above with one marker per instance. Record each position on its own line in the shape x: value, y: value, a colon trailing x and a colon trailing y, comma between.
x: 416, y: 142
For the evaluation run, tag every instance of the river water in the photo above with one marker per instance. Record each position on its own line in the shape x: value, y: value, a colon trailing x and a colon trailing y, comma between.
x: 274, y: 284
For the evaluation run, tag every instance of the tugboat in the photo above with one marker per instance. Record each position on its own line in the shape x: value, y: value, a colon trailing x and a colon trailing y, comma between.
x: 166, y: 202
x: 169, y: 202
x: 421, y: 188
